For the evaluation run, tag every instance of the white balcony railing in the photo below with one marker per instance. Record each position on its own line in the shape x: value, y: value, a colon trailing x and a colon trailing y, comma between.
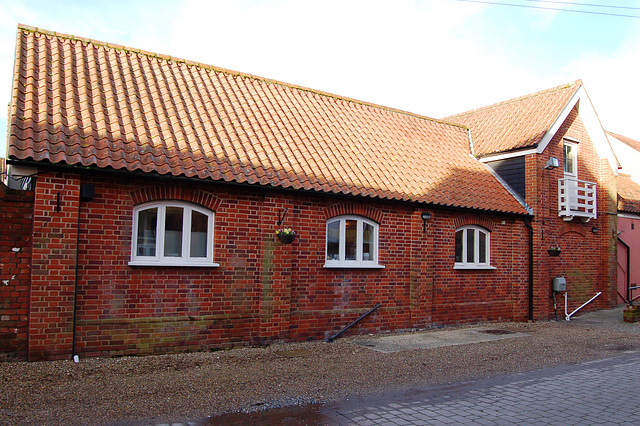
x: 577, y: 198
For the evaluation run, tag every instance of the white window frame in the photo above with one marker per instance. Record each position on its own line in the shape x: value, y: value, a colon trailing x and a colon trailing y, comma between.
x: 160, y: 259
x: 476, y: 264
x: 359, y: 262
x: 574, y: 151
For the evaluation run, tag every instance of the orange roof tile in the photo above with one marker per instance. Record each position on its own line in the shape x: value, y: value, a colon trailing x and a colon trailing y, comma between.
x: 82, y: 102
x: 518, y: 123
x: 628, y: 194
x: 627, y: 141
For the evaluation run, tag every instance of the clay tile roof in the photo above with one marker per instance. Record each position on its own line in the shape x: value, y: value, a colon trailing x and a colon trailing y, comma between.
x: 82, y: 102
x: 628, y: 194
x: 627, y: 141
x: 518, y: 123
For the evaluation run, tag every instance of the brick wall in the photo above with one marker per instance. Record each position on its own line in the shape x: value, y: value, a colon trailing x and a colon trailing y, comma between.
x: 263, y: 291
x: 53, y: 268
x: 587, y: 260
x: 16, y: 209
x: 82, y: 294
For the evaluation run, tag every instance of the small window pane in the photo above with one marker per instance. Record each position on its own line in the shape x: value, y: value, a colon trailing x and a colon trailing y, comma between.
x: 333, y: 240
x: 569, y: 159
x: 147, y: 225
x: 173, y: 232
x: 351, y: 239
x: 199, y: 223
x: 367, y: 242
x: 459, y: 240
x: 470, y: 245
x: 482, y: 246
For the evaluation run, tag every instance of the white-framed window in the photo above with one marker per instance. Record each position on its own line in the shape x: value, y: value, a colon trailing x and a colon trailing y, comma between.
x: 172, y: 233
x: 352, y: 242
x: 472, y: 248
x: 570, y: 159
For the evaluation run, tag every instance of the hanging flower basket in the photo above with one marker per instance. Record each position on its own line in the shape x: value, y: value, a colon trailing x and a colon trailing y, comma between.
x: 286, y: 236
x: 554, y: 251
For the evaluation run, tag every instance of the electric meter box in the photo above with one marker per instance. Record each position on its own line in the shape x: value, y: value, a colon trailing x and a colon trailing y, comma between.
x: 559, y: 284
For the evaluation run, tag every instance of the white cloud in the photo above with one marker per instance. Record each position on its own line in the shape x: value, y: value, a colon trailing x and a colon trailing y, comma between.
x: 612, y: 84
x: 410, y: 55
x: 427, y: 57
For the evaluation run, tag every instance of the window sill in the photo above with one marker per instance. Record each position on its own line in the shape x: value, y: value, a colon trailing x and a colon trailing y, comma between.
x: 474, y: 267
x: 354, y: 266
x: 180, y: 265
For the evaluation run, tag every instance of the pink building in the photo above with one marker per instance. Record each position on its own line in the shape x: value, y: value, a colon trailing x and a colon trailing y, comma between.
x: 628, y: 239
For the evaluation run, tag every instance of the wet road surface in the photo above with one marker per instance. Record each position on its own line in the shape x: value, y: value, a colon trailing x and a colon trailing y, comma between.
x: 595, y: 392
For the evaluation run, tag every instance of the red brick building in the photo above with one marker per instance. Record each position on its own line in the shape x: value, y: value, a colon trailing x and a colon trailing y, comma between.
x: 158, y: 185
x: 551, y: 150
x: 16, y: 214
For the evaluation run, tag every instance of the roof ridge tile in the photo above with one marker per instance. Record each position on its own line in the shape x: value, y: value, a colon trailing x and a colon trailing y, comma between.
x: 227, y: 71
x: 518, y: 99
x: 125, y: 109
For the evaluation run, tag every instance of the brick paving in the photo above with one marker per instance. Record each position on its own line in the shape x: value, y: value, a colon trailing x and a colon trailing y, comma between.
x: 595, y: 392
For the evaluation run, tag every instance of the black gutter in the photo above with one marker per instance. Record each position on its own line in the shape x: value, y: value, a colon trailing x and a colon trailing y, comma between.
x: 156, y: 176
x: 527, y: 222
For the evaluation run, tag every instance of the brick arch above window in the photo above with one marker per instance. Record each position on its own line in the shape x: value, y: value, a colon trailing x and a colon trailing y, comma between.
x: 353, y: 209
x: 567, y: 228
x: 470, y: 219
x: 157, y: 193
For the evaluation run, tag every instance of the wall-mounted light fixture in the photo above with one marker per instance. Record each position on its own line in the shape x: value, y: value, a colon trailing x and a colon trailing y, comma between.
x: 552, y: 163
x: 425, y: 216
x: 87, y: 192
x: 595, y: 230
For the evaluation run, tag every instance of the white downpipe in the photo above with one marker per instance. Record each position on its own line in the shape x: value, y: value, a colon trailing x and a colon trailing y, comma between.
x: 567, y: 316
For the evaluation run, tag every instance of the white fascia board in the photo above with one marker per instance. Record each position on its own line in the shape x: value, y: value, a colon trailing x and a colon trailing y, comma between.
x: 628, y: 157
x: 596, y: 132
x: 629, y: 215
x: 504, y: 156
x: 19, y: 171
x: 591, y: 123
x: 561, y: 118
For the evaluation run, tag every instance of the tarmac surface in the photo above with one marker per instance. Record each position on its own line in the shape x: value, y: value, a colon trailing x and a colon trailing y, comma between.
x: 603, y: 391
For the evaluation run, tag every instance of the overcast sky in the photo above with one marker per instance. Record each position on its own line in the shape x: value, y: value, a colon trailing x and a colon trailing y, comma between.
x: 431, y: 57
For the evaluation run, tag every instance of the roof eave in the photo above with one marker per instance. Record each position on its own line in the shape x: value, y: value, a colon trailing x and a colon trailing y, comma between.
x: 560, y: 119
x: 591, y: 123
x: 519, y: 152
x: 124, y: 172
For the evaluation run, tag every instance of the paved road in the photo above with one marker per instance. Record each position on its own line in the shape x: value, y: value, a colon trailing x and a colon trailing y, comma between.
x: 596, y: 392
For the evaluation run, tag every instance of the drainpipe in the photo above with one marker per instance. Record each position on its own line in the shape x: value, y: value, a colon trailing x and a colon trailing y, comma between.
x: 75, y: 284
x: 86, y: 193
x: 527, y: 222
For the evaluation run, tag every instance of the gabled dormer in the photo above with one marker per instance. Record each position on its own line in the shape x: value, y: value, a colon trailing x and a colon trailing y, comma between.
x: 514, y: 138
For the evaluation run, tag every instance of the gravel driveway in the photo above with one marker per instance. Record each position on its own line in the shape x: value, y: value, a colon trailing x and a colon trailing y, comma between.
x: 192, y: 387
